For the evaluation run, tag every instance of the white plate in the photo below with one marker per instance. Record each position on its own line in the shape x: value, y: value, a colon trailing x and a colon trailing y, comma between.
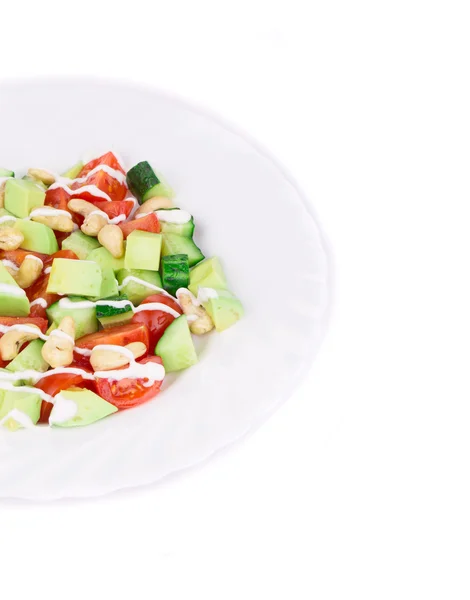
x: 248, y: 211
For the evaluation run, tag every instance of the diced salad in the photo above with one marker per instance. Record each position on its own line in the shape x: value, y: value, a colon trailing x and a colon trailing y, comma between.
x: 102, y: 288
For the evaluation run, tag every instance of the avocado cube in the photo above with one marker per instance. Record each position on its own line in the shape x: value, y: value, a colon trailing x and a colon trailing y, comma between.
x: 21, y: 197
x: 143, y: 250
x: 37, y: 237
x: 109, y: 284
x: 74, y: 171
x: 208, y: 273
x: 80, y: 243
x: 74, y: 408
x: 224, y: 309
x: 13, y: 300
x: 27, y: 406
x: 76, y: 277
x: 105, y: 259
x: 29, y: 358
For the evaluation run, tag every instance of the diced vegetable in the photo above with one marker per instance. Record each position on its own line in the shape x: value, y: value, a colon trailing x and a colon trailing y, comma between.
x: 177, y: 244
x: 175, y: 272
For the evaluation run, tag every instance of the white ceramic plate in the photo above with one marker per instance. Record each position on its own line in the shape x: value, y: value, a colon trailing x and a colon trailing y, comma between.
x: 248, y: 211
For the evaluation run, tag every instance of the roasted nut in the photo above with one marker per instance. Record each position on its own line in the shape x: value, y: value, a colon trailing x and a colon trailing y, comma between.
x: 106, y: 359
x: 153, y: 204
x: 58, y: 349
x: 112, y: 238
x: 42, y: 175
x: 95, y: 219
x: 30, y: 269
x: 10, y: 239
x: 57, y: 222
x: 12, y: 340
x: 199, y: 320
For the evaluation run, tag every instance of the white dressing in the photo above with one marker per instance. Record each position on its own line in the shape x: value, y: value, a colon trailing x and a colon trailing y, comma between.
x: 11, y: 290
x: 7, y: 218
x: 49, y: 211
x: 113, y: 221
x: 176, y: 216
x: 93, y: 190
x: 48, y: 270
x: 40, y: 302
x: 20, y: 417
x: 204, y: 294
x: 150, y: 370
x: 157, y: 306
x: 10, y: 264
x: 64, y: 410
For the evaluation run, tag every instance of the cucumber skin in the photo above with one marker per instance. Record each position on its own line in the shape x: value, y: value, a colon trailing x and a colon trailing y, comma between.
x: 177, y: 244
x: 175, y: 272
x: 141, y: 179
x: 185, y: 229
x: 104, y: 310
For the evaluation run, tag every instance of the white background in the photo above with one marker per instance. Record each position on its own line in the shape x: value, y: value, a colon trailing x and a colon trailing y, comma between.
x: 358, y: 486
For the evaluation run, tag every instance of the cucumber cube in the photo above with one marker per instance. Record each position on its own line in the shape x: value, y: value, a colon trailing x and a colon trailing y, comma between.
x: 175, y: 272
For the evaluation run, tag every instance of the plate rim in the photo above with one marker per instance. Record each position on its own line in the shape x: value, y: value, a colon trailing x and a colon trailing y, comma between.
x: 307, y: 360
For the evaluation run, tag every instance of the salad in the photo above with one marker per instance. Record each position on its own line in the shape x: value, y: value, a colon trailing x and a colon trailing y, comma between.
x: 102, y: 289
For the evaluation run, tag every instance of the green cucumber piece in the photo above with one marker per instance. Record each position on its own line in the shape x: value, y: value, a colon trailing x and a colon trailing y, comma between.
x: 175, y: 272
x: 84, y: 318
x: 184, y: 229
x: 109, y: 315
x: 144, y: 183
x: 6, y: 173
x: 137, y: 292
x: 177, y: 244
x: 141, y: 179
x: 176, y: 347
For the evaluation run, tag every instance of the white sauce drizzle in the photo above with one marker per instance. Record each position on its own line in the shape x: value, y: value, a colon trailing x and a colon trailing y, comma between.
x: 39, y: 301
x: 157, y: 306
x: 10, y: 264
x: 34, y: 258
x: 204, y: 294
x: 129, y: 278
x: 12, y: 290
x: 113, y: 221
x: 7, y: 218
x: 49, y: 211
x: 177, y: 216
x: 150, y: 370
x: 93, y: 190
x: 48, y: 270
x: 64, y: 410
x: 20, y: 417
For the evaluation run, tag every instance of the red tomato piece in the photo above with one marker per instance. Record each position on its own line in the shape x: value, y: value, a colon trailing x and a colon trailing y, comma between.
x: 39, y: 322
x: 114, y: 209
x: 156, y: 320
x: 127, y: 393
x: 57, y: 198
x: 59, y: 254
x: 108, y: 159
x: 149, y: 223
x: 118, y: 336
x: 53, y: 384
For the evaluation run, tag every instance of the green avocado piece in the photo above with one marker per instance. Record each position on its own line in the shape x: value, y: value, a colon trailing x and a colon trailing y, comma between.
x: 225, y: 309
x: 74, y: 171
x: 6, y: 213
x: 25, y: 409
x: 74, y: 277
x: 137, y: 292
x: 109, y: 284
x: 143, y: 250
x: 29, y: 358
x: 84, y: 318
x: 13, y: 300
x: 75, y: 408
x: 105, y: 259
x: 176, y: 347
x: 37, y: 237
x: 80, y: 243
x: 208, y: 273
x: 22, y: 196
